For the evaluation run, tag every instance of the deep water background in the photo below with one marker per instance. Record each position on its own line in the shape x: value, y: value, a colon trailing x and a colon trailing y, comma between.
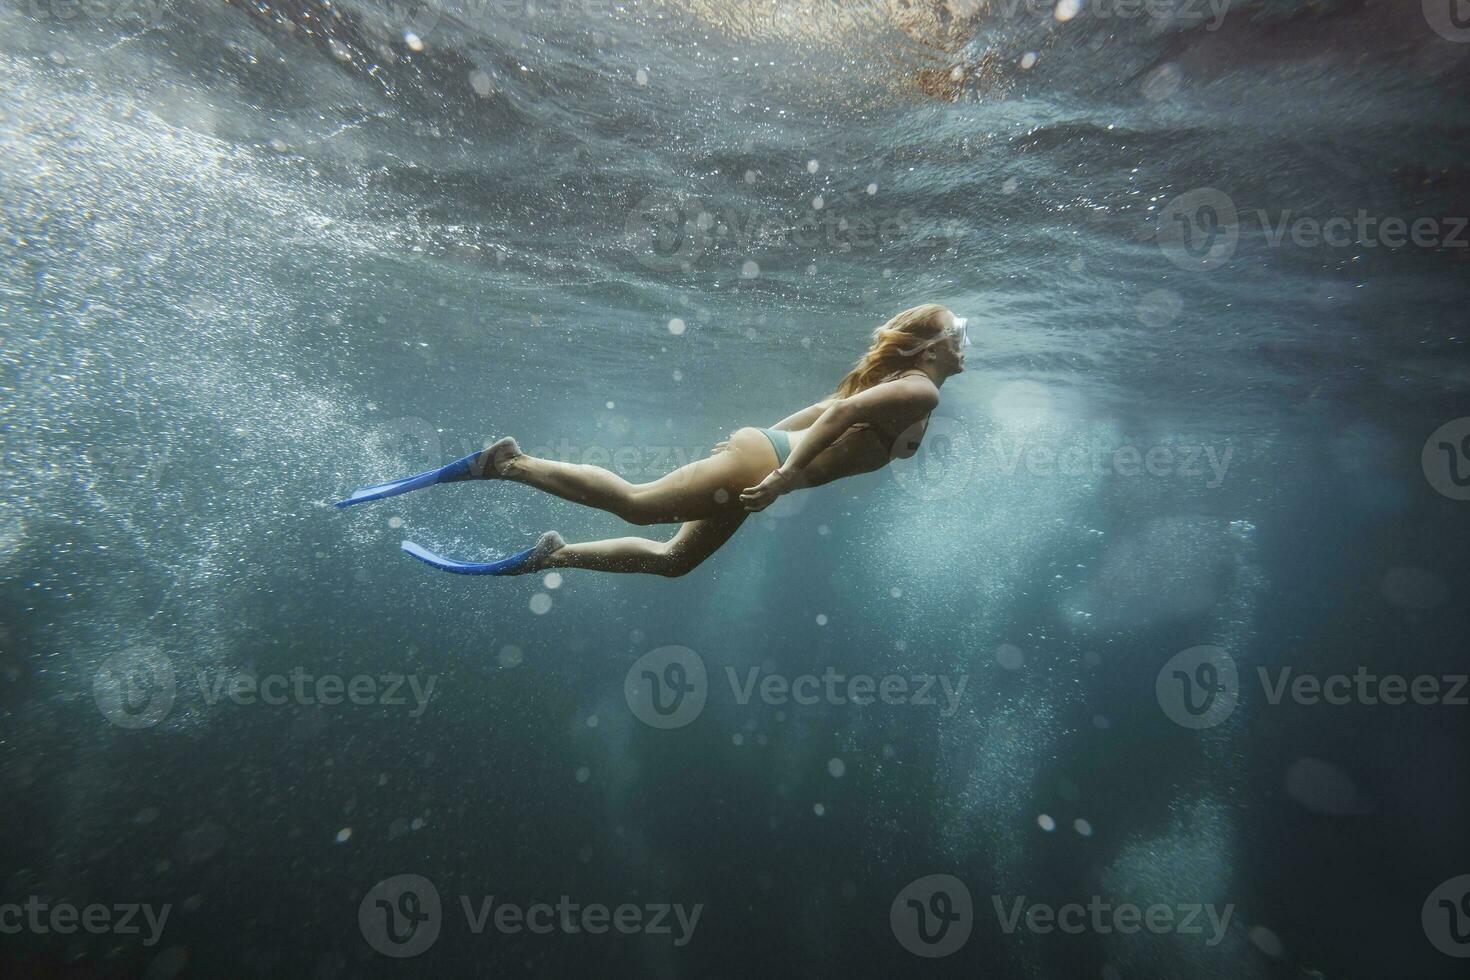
x: 256, y: 255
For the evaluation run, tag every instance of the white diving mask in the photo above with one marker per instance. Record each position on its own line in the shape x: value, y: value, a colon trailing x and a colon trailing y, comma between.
x: 959, y: 333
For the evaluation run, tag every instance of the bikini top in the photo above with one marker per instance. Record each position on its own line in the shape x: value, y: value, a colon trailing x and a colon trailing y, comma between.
x: 888, y: 439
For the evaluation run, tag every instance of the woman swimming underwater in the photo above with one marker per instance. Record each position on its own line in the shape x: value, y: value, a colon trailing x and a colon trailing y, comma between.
x: 880, y: 411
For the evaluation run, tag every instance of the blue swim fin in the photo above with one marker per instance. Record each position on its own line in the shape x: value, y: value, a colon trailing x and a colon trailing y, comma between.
x: 505, y: 566
x: 460, y: 469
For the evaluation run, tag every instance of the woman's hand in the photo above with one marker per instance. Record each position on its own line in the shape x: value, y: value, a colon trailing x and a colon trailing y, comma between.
x: 760, y: 497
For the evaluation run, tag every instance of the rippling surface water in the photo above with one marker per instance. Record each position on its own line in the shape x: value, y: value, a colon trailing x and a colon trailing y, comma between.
x: 255, y: 255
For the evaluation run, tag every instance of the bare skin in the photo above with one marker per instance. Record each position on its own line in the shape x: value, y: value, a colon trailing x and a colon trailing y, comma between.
x: 713, y: 496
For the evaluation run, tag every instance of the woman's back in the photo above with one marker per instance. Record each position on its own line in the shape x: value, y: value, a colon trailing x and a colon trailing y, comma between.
x: 865, y: 446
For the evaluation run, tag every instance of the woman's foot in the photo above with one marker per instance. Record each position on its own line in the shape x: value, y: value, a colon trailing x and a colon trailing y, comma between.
x: 546, y: 545
x: 497, y: 460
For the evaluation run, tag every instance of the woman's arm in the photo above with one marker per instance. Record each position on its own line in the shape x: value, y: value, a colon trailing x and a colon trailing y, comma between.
x: 802, y: 419
x: 880, y: 403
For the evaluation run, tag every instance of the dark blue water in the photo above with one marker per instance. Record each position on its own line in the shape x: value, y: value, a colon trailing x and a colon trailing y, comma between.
x: 256, y: 255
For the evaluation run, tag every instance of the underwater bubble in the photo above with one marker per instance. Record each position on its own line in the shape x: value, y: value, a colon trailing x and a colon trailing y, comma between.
x: 344, y: 835
x: 511, y: 656
x: 552, y: 580
x: 395, y: 522
x: 678, y: 375
x: 1159, y: 308
x: 1266, y: 941
x: 1009, y: 185
x: 818, y: 203
x: 1414, y: 588
x: 812, y: 166
x: 583, y: 774
x: 1046, y: 823
x: 819, y: 809
x: 823, y: 530
x: 836, y: 767
x: 737, y: 739
x: 750, y: 176
x: 1009, y: 656
x: 168, y: 964
x: 145, y: 816
x: 1323, y: 788
x: 339, y: 50
x: 1028, y: 60
x: 872, y: 189
x: 641, y: 76
x: 676, y: 326
x: 896, y: 592
x: 540, y: 603
x: 1162, y: 82
x: 414, y: 42
x: 593, y: 721
x: 750, y: 269
x: 1082, y: 827
x: 480, y: 83
x: 417, y: 823
x: 1067, y: 9
x: 821, y: 619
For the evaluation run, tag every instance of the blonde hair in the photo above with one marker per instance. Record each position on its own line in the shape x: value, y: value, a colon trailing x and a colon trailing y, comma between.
x: 885, y: 358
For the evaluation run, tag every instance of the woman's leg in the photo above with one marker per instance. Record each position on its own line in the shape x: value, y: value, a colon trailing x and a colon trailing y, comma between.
x: 681, y: 554
x: 706, y: 488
